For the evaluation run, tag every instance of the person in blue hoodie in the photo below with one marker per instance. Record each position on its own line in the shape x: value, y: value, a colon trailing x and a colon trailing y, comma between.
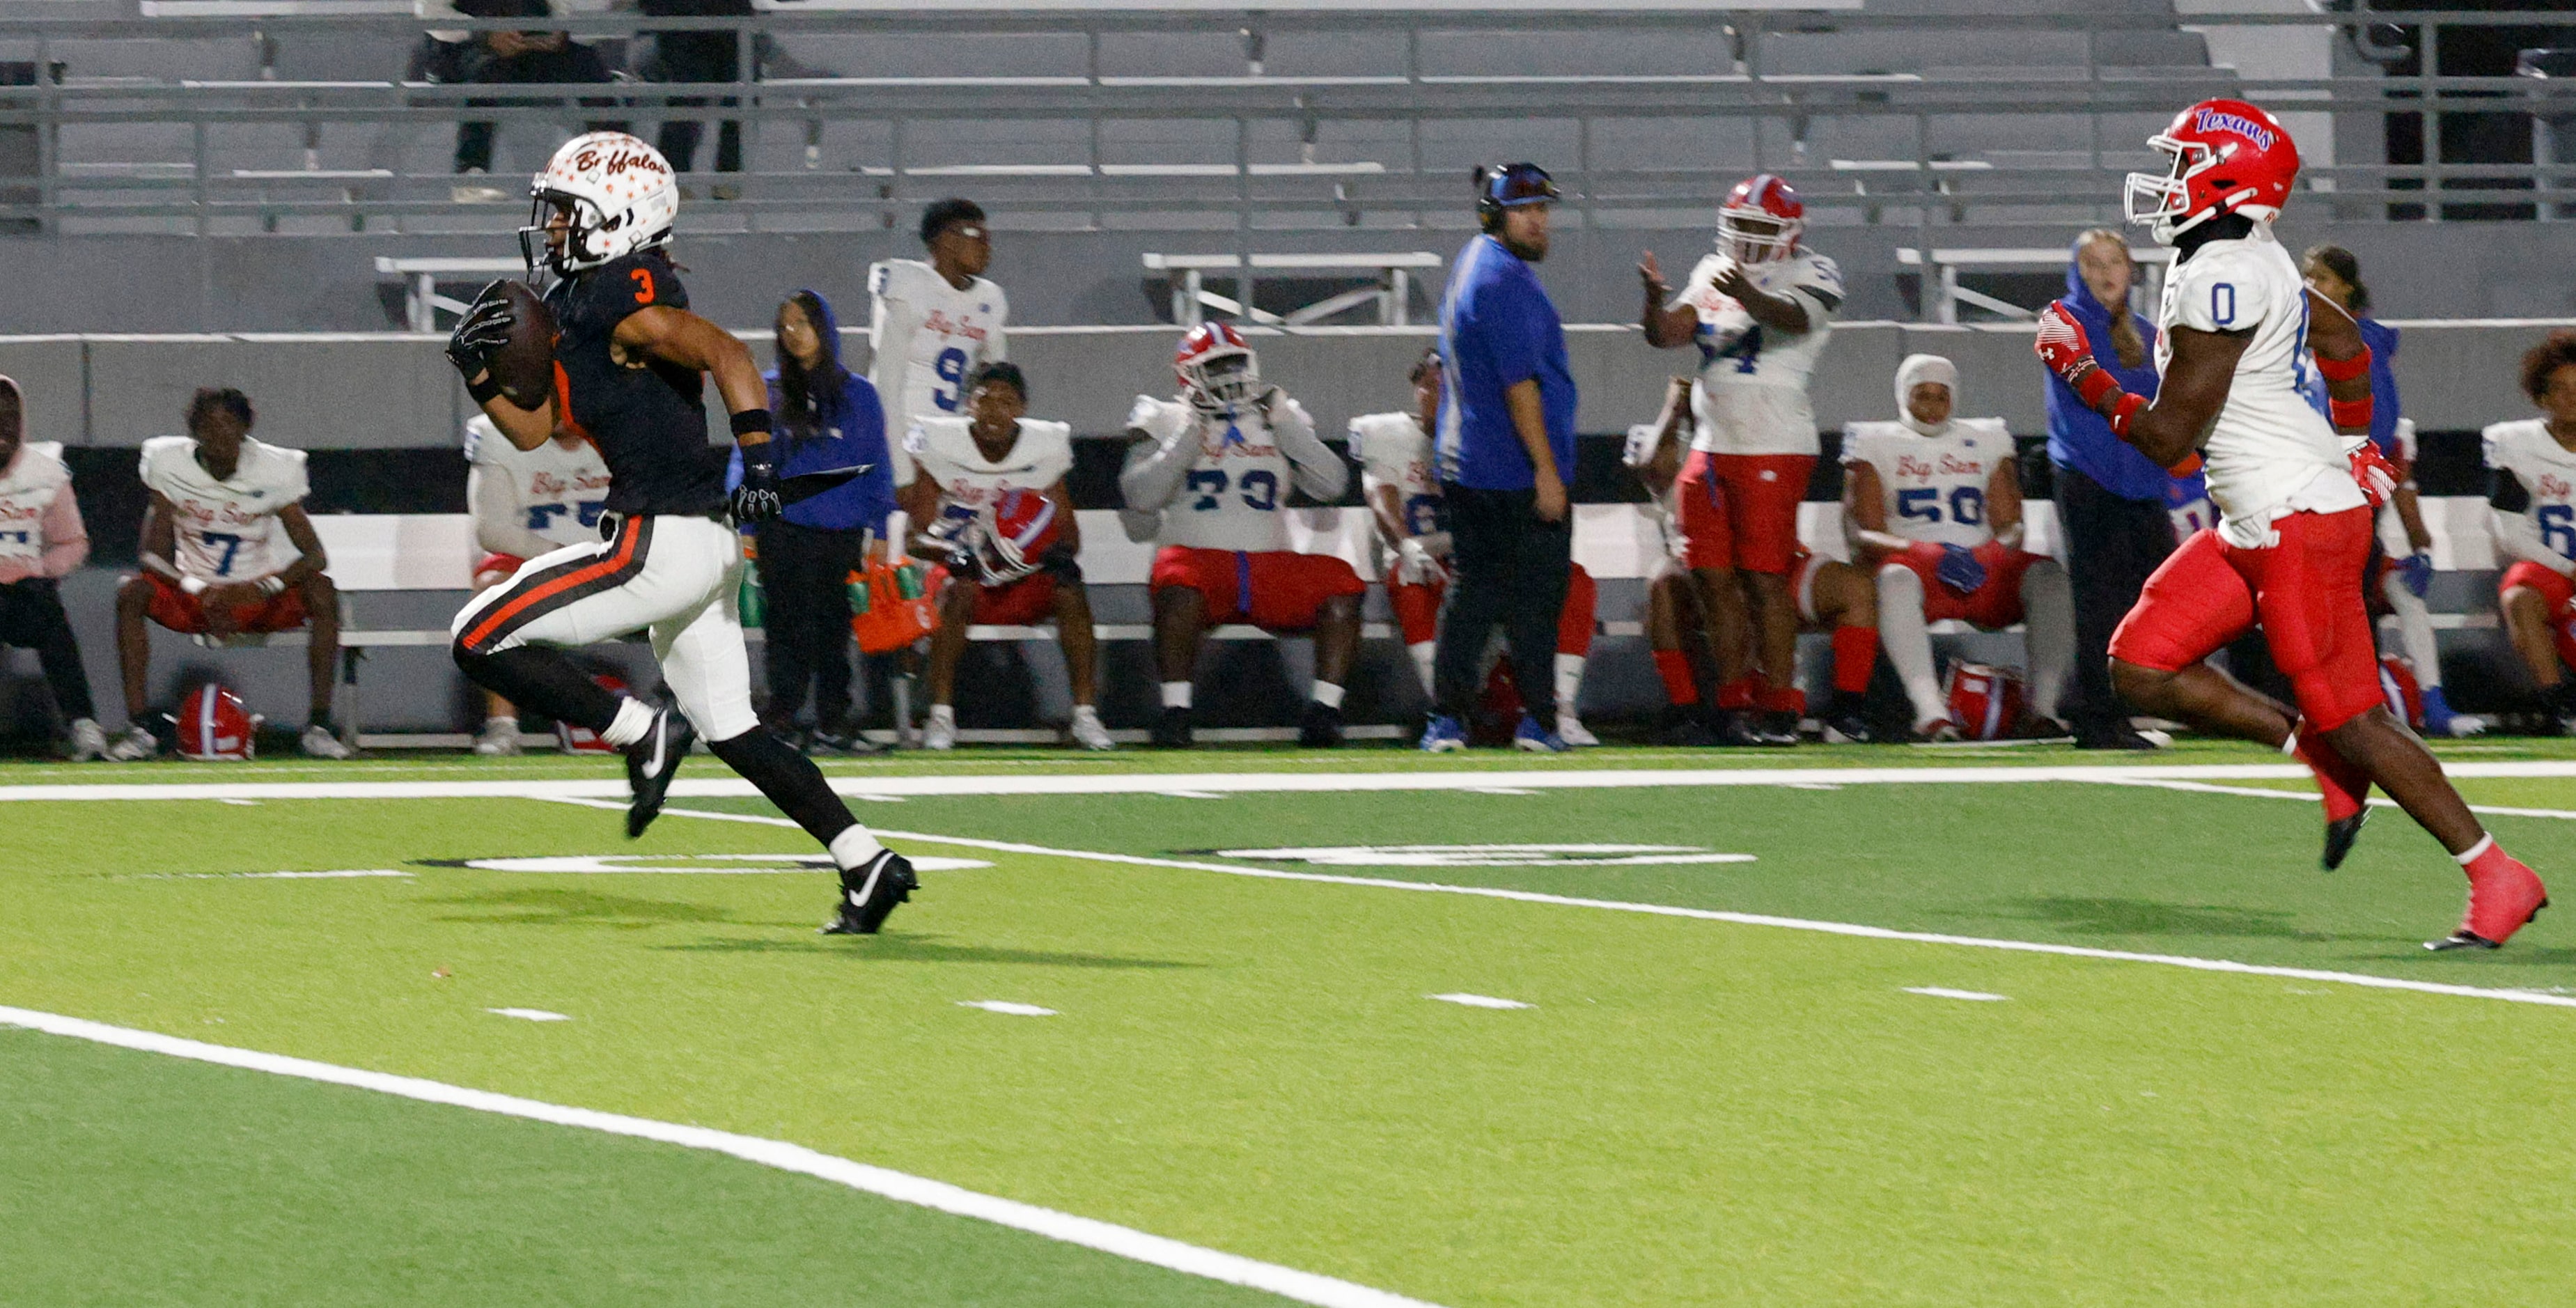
x: 2111, y: 500
x: 828, y: 419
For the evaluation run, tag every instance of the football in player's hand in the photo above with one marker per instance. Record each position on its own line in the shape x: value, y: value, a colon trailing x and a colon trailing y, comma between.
x: 524, y: 367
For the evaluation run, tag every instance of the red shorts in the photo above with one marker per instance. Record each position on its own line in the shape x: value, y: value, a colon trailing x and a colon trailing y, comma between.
x: 1417, y: 611
x: 1022, y: 603
x: 180, y: 611
x: 2557, y: 592
x: 1275, y: 590
x: 1741, y: 510
x: 505, y: 564
x: 1994, y: 605
x: 2306, y: 592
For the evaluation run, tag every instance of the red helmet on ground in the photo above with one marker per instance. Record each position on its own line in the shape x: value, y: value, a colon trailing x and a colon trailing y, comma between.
x: 2405, y: 695
x: 1217, y: 370
x: 1019, y: 526
x: 1759, y: 221
x: 215, y: 726
x: 2224, y: 156
x: 1986, y: 702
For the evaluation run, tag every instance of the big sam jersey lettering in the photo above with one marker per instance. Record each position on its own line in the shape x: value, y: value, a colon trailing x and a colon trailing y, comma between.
x: 1737, y: 353
x: 1933, y: 488
x: 28, y: 488
x: 2547, y: 472
x: 560, y: 490
x: 944, y: 450
x: 2269, y: 454
x: 227, y: 530
x: 1394, y: 451
x: 1235, y: 495
x: 648, y: 419
x: 930, y: 336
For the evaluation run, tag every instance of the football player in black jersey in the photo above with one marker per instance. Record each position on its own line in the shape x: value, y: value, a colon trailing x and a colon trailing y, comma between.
x: 631, y: 364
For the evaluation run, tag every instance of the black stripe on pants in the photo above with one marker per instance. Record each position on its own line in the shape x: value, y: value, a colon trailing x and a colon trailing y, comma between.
x: 32, y: 617
x: 2112, y: 545
x: 1507, y: 565
x: 804, y: 574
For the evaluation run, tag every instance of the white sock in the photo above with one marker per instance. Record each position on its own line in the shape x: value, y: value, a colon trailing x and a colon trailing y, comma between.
x: 2474, y: 852
x: 944, y: 714
x: 1902, y: 634
x: 1176, y: 694
x: 1422, y: 654
x: 501, y: 722
x: 1086, y: 713
x: 2415, y: 632
x: 854, y: 846
x: 634, y: 718
x: 1328, y: 694
x: 1569, y: 683
x: 2048, y: 612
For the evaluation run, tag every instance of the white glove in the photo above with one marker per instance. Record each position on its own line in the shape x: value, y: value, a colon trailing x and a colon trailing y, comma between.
x: 1414, y: 565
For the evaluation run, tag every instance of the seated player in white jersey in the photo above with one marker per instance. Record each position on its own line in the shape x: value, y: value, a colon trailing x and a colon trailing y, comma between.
x: 42, y: 541
x: 227, y: 550
x: 2295, y: 491
x: 2532, y: 487
x: 1403, y: 497
x: 1217, y: 465
x: 990, y: 494
x: 934, y: 321
x: 1687, y: 632
x: 1759, y: 310
x: 526, y: 504
x: 1932, y: 504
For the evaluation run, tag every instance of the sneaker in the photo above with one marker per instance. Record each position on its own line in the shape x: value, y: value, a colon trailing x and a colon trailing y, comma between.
x: 651, y: 763
x: 1320, y: 727
x: 840, y: 740
x: 1172, y: 730
x: 2501, y: 901
x: 1443, y: 735
x: 940, y: 732
x: 135, y: 744
x: 1088, y: 730
x: 869, y: 893
x: 1571, y: 730
x: 1776, y: 727
x: 318, y: 742
x: 1681, y: 726
x: 1531, y: 738
x: 89, y: 740
x: 1847, y: 729
x: 1936, y: 731
x: 498, y: 739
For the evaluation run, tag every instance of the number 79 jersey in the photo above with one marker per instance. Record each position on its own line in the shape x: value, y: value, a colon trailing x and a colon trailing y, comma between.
x: 1933, y: 488
x: 2547, y: 472
x: 1235, y: 495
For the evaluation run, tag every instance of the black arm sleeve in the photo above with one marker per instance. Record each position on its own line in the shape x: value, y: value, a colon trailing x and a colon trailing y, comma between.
x: 2505, y: 492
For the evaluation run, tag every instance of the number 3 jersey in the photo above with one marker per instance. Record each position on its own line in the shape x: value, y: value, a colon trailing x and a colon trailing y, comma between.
x: 554, y: 492
x: 1752, y: 392
x: 1933, y: 488
x: 2534, y: 478
x: 1222, y: 479
x: 227, y: 530
x: 1394, y: 451
x: 2269, y: 454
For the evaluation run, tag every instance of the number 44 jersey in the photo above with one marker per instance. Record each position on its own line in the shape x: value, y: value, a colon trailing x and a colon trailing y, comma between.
x: 227, y: 530
x: 1933, y: 488
x: 2546, y: 470
x: 1221, y: 479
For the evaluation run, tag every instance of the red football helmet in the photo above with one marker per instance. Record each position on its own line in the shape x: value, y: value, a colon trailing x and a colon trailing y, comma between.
x: 2226, y: 156
x: 2404, y: 694
x: 215, y: 726
x: 1986, y: 702
x: 1018, y: 527
x: 1759, y: 221
x: 1217, y: 370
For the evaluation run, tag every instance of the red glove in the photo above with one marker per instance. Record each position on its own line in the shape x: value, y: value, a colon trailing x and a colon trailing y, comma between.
x: 2061, y: 345
x: 2378, y: 476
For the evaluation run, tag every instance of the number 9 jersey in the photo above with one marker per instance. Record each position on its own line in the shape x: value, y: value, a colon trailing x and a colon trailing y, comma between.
x: 1933, y: 488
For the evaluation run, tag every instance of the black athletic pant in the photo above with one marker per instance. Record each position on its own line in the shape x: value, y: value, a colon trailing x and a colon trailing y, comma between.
x: 804, y: 572
x: 699, y: 57
x: 2112, y: 545
x: 31, y: 617
x: 1509, y: 566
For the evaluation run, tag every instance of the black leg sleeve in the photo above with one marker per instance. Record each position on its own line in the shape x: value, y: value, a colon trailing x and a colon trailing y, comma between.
x: 789, y: 779
x: 545, y: 679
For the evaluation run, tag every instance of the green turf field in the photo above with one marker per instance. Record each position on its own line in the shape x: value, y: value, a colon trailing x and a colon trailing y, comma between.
x: 1687, y: 1111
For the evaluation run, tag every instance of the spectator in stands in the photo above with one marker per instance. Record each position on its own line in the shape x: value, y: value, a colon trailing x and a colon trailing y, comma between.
x: 700, y: 56
x: 516, y: 58
x: 2403, y: 555
x: 2532, y: 486
x: 1506, y: 447
x: 2112, y: 502
x: 41, y: 541
x: 227, y: 550
x: 934, y: 322
x: 991, y: 494
x: 526, y: 504
x: 830, y: 422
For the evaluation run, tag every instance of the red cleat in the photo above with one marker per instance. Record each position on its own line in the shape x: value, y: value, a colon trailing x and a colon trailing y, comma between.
x: 2503, y: 896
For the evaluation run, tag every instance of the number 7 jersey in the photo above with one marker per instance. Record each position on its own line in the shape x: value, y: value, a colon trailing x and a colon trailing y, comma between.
x: 2546, y: 470
x: 1933, y: 488
x: 227, y: 530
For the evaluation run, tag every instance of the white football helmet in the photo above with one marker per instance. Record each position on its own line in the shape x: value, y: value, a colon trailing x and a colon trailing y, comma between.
x: 619, y: 194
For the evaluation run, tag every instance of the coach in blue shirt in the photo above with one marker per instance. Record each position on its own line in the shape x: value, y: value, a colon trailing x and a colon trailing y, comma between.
x: 1506, y: 443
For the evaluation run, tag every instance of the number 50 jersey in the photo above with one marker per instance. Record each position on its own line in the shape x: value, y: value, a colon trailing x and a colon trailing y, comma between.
x: 1933, y: 488
x: 2545, y: 470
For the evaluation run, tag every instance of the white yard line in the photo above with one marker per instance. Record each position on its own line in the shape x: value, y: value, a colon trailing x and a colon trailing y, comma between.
x: 2258, y: 792
x: 2362, y: 979
x: 1124, y: 1242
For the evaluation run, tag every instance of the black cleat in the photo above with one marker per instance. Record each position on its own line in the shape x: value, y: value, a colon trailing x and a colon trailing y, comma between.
x: 2461, y: 939
x: 1320, y: 728
x: 1682, y: 726
x: 870, y: 892
x: 1848, y: 729
x: 651, y: 763
x: 2339, y: 838
x: 1777, y: 727
x: 1734, y: 729
x: 1172, y: 730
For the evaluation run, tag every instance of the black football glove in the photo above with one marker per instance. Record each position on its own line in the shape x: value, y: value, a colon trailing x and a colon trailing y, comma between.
x: 484, y: 329
x: 756, y: 499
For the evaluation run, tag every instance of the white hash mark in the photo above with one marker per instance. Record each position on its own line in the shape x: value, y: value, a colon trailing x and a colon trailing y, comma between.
x: 530, y: 1014
x: 1945, y: 992
x: 1479, y: 1001
x: 1006, y: 1006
